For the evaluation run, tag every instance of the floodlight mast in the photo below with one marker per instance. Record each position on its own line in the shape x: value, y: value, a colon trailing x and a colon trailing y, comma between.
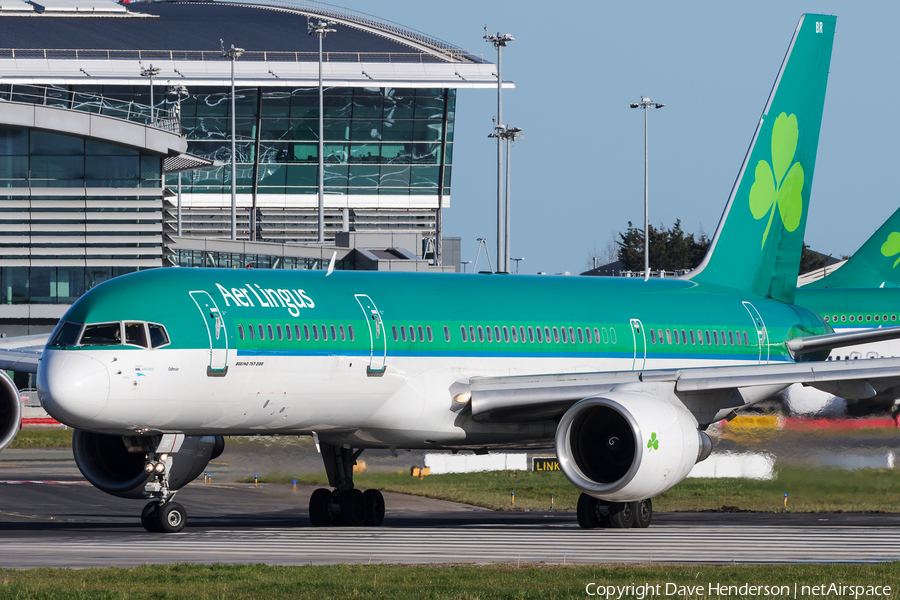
x: 233, y: 54
x: 510, y: 134
x: 179, y: 91
x: 500, y: 40
x: 320, y: 29
x: 646, y: 104
x: 150, y: 72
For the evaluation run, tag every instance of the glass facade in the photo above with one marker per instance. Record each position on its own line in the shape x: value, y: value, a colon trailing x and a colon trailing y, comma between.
x: 237, y: 260
x: 52, y: 285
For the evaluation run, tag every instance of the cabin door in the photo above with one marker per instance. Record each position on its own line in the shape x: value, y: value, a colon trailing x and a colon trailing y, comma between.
x: 377, y: 335
x: 762, y: 336
x: 215, y: 328
x: 640, y: 345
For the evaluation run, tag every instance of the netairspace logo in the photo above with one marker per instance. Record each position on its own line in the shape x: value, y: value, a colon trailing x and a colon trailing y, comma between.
x: 642, y: 591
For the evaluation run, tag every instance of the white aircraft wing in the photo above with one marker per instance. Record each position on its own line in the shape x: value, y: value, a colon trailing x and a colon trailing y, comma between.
x: 22, y: 353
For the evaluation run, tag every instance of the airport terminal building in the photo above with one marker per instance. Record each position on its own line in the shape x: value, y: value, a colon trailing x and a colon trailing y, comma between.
x: 91, y: 156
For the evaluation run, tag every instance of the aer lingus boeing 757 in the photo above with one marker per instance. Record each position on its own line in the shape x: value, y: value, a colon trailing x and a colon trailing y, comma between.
x: 621, y: 376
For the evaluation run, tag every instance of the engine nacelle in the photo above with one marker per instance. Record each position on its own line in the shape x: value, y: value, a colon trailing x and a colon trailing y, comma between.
x: 10, y: 410
x: 105, y: 461
x: 627, y: 446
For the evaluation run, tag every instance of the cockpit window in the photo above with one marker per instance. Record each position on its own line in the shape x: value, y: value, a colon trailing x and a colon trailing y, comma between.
x: 158, y: 335
x: 135, y: 334
x: 66, y: 334
x: 102, y: 334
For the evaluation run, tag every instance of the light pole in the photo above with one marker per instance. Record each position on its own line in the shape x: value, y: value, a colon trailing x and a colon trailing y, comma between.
x: 500, y: 40
x: 464, y: 264
x: 646, y: 104
x: 510, y: 134
x: 179, y: 91
x: 233, y: 54
x: 150, y: 72
x: 517, y: 263
x: 320, y: 29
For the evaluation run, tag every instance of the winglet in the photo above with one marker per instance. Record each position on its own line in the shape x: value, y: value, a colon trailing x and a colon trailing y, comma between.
x: 331, y: 264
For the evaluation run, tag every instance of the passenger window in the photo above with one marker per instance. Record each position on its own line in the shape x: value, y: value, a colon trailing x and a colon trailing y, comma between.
x: 530, y: 335
x: 877, y: 317
x: 722, y: 337
x: 297, y: 332
x: 746, y: 341
x: 412, y: 333
x: 587, y: 334
x: 692, y: 338
x: 893, y: 317
x: 497, y: 332
x: 669, y: 337
x: 506, y: 333
x: 851, y: 318
x: 280, y: 333
x: 262, y: 334
x: 730, y: 339
x: 306, y: 332
x: 480, y: 334
x: 343, y: 335
x: 522, y: 334
x: 597, y: 335
x: 683, y: 337
x: 471, y: 333
x: 333, y: 333
x: 462, y: 331
x: 158, y: 335
x: 251, y: 329
x: 403, y: 333
x: 844, y: 318
x: 652, y: 336
x: 241, y: 331
x: 737, y: 337
x: 103, y: 334
x: 565, y: 337
x: 581, y: 336
x: 540, y: 337
x: 572, y: 335
x: 868, y: 317
x: 555, y: 335
x: 706, y: 335
x: 135, y: 334
x: 489, y: 334
x: 447, y: 333
x: 428, y: 331
x: 315, y: 332
x: 715, y: 337
x: 350, y: 331
x: 547, y: 334
x: 606, y: 335
x: 394, y: 332
x: 515, y: 335
x: 269, y: 328
x: 324, y: 333
x: 860, y: 318
x: 287, y: 331
x: 676, y: 337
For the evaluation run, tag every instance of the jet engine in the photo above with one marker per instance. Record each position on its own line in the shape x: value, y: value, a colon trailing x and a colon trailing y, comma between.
x: 10, y: 410
x: 115, y: 464
x: 628, y: 446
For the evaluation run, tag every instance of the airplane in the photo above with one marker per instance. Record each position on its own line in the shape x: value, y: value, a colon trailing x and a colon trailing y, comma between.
x: 863, y: 293
x: 620, y: 376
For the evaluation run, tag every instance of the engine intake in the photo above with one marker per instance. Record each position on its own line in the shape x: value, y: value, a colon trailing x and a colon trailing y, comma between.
x: 105, y: 461
x: 10, y: 410
x: 627, y: 446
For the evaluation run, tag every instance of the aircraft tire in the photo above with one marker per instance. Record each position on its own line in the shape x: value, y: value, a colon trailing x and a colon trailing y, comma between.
x: 374, y: 502
x: 643, y: 513
x: 148, y: 517
x: 353, y: 508
x: 588, y: 512
x: 319, y: 512
x: 621, y: 515
x: 171, y: 517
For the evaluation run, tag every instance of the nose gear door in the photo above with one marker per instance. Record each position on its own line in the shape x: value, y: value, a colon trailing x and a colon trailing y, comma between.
x: 215, y: 329
x: 377, y: 336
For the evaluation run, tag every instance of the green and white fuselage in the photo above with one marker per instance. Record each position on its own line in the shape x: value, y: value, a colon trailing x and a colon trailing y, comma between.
x: 383, y: 384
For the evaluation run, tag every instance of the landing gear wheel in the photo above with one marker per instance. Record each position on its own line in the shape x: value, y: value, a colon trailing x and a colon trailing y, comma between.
x: 592, y: 513
x: 320, y: 509
x: 148, y: 517
x: 353, y: 508
x: 171, y: 517
x: 374, y: 502
x: 621, y: 515
x: 643, y: 513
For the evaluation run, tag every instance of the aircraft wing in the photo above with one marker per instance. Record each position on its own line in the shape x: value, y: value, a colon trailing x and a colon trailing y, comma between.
x: 22, y: 353
x: 538, y: 397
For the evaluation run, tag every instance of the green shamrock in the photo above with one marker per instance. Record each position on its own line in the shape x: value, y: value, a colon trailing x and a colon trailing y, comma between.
x: 892, y: 246
x: 653, y: 443
x: 772, y: 187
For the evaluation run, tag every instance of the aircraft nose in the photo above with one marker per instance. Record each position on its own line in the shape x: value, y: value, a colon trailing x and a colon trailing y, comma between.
x: 72, y: 386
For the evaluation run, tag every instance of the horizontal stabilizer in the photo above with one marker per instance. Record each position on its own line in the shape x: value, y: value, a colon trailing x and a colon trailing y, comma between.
x: 829, y: 341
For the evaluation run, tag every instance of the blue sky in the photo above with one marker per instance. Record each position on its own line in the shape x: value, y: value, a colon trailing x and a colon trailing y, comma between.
x: 578, y: 174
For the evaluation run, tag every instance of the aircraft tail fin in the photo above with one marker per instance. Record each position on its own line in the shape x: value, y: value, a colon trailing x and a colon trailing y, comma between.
x: 757, y: 245
x: 874, y: 265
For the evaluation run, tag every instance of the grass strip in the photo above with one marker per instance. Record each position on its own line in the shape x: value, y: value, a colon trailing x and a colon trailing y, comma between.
x: 431, y: 582
x: 43, y: 438
x: 809, y: 490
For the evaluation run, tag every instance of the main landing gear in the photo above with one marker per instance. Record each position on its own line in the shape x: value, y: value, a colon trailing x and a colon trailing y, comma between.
x: 594, y: 513
x: 345, y: 505
x: 161, y: 514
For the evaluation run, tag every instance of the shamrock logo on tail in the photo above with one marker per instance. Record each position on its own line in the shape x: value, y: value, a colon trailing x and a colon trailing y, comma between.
x: 892, y: 247
x: 777, y: 185
x: 653, y: 443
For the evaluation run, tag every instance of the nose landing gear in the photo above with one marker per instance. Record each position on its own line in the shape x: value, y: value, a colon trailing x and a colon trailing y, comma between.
x: 161, y: 514
x: 346, y: 505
